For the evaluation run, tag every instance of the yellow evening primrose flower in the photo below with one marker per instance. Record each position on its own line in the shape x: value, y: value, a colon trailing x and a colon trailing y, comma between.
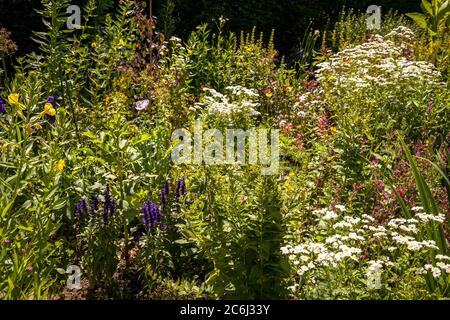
x: 13, y: 98
x: 269, y: 94
x: 49, y: 110
x: 60, y: 166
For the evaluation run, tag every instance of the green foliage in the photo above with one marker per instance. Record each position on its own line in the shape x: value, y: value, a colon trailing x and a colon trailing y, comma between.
x: 435, y: 17
x: 240, y: 232
x: 95, y: 109
x: 427, y: 201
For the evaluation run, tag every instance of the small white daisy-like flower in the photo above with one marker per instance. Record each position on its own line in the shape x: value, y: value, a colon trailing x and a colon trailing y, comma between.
x: 442, y: 257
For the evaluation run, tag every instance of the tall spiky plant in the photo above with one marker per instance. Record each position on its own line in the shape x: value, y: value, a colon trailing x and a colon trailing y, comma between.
x: 53, y: 42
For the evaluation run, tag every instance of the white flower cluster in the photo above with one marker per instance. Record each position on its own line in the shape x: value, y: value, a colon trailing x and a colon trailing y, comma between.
x: 424, y: 217
x: 325, y: 214
x: 378, y: 62
x: 241, y: 100
x: 401, y: 33
x: 345, y: 239
x: 314, y: 255
x: 437, y: 270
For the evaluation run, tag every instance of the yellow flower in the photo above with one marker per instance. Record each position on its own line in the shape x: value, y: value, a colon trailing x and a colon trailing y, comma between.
x: 60, y: 166
x: 289, y: 187
x: 49, y: 110
x: 269, y: 94
x: 289, y: 88
x: 13, y: 98
x: 248, y: 49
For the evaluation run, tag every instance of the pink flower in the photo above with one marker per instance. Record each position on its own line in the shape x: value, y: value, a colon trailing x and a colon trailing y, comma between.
x: 30, y: 268
x: 287, y: 128
x: 380, y: 185
x: 6, y: 241
x: 323, y: 125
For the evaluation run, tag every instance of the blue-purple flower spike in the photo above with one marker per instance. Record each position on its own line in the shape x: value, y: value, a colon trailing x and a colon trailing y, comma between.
x: 2, y: 106
x: 94, y: 205
x: 81, y: 208
x: 183, y: 186
x: 112, y: 208
x: 151, y: 216
x: 165, y: 193
x: 180, y: 188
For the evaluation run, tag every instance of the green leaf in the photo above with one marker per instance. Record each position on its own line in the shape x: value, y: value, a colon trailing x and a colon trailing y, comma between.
x: 59, y: 204
x: 444, y: 176
x: 27, y: 204
x: 417, y: 177
x: 427, y: 201
x: 60, y: 270
x: 25, y: 228
x: 419, y: 18
x: 181, y: 241
x: 89, y: 135
x: 443, y: 13
x: 426, y: 5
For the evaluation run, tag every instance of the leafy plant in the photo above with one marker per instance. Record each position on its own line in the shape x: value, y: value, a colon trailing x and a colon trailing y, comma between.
x: 435, y: 16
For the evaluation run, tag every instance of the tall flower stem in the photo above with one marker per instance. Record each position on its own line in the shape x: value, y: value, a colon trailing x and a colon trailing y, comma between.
x: 125, y: 218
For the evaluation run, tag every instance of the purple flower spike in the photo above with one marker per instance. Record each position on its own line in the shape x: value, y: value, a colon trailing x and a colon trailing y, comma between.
x: 151, y: 216
x: 165, y: 193
x: 81, y: 208
x: 112, y: 208
x: 2, y: 106
x: 94, y: 205
x: 180, y: 188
